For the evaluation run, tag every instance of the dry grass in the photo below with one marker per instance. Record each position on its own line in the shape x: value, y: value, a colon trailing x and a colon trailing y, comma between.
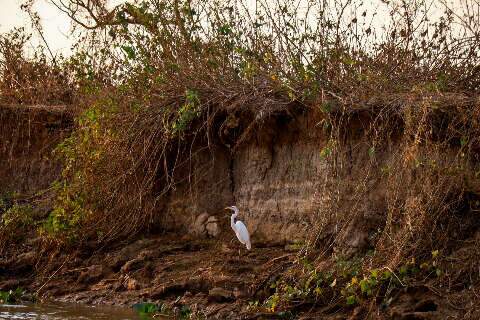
x: 30, y: 81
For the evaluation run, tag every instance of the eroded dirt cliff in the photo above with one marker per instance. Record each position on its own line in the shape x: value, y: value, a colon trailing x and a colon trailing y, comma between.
x: 273, y: 179
x: 281, y: 180
x: 28, y: 134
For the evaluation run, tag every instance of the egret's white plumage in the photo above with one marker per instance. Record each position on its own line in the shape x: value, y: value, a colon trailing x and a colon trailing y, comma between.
x: 239, y: 228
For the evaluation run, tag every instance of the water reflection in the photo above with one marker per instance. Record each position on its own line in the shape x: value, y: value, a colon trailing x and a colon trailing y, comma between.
x: 56, y: 311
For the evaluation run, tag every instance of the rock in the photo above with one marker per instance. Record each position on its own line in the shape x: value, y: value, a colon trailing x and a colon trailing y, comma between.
x: 131, y: 265
x: 117, y: 286
x: 9, y: 285
x: 212, y: 219
x: 213, y: 230
x: 149, y: 254
x: 132, y: 284
x: 27, y: 258
x: 178, y: 288
x: 198, y: 227
x: 105, y: 284
x: 91, y: 275
x: 117, y: 259
x: 166, y: 290
x: 239, y: 293
x: 102, y: 285
x: 220, y: 295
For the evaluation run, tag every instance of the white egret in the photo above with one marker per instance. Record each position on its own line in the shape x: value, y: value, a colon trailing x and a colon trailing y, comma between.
x: 239, y: 228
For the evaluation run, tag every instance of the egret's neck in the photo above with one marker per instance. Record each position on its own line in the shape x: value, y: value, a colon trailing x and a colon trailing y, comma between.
x: 232, y: 219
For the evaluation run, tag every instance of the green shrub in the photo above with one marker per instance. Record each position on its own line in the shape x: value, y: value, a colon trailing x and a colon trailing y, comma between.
x: 11, y: 296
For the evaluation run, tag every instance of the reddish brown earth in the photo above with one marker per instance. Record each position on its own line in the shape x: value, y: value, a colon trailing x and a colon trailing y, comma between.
x: 207, y: 275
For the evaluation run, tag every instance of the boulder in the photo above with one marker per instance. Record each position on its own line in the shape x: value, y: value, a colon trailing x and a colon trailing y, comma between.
x: 198, y: 227
x: 220, y: 295
x: 131, y: 265
x: 213, y: 230
x: 9, y: 285
x: 91, y: 275
x: 132, y: 284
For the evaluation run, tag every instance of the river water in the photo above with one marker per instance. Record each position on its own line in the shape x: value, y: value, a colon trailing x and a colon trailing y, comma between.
x: 57, y: 311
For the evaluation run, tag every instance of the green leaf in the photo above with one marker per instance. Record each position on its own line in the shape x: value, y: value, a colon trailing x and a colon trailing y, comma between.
x: 145, y: 308
x: 326, y: 107
x: 364, y: 285
x: 387, y: 274
x: 192, y: 96
x: 185, y: 312
x: 325, y: 152
x: 348, y: 61
x: 225, y: 29
x: 130, y: 51
x: 351, y: 300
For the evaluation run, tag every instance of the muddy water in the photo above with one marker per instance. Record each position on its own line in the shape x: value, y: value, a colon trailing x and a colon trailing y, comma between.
x: 56, y: 311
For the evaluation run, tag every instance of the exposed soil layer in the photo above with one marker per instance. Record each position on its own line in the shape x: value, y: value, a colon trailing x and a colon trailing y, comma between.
x: 28, y: 135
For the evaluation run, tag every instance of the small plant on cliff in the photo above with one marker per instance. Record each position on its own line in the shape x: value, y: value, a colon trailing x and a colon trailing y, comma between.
x: 188, y: 112
x: 148, y: 310
x: 16, y: 222
x: 18, y: 215
x: 11, y: 296
x: 33, y: 79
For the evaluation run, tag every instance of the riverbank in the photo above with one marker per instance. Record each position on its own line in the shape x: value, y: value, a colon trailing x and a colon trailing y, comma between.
x: 287, y: 182
x: 206, y: 277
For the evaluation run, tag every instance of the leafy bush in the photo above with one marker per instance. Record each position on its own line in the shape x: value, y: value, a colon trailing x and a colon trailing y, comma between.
x: 346, y: 281
x: 15, y: 222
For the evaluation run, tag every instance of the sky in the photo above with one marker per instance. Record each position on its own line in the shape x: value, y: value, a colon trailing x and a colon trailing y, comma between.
x: 56, y: 25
